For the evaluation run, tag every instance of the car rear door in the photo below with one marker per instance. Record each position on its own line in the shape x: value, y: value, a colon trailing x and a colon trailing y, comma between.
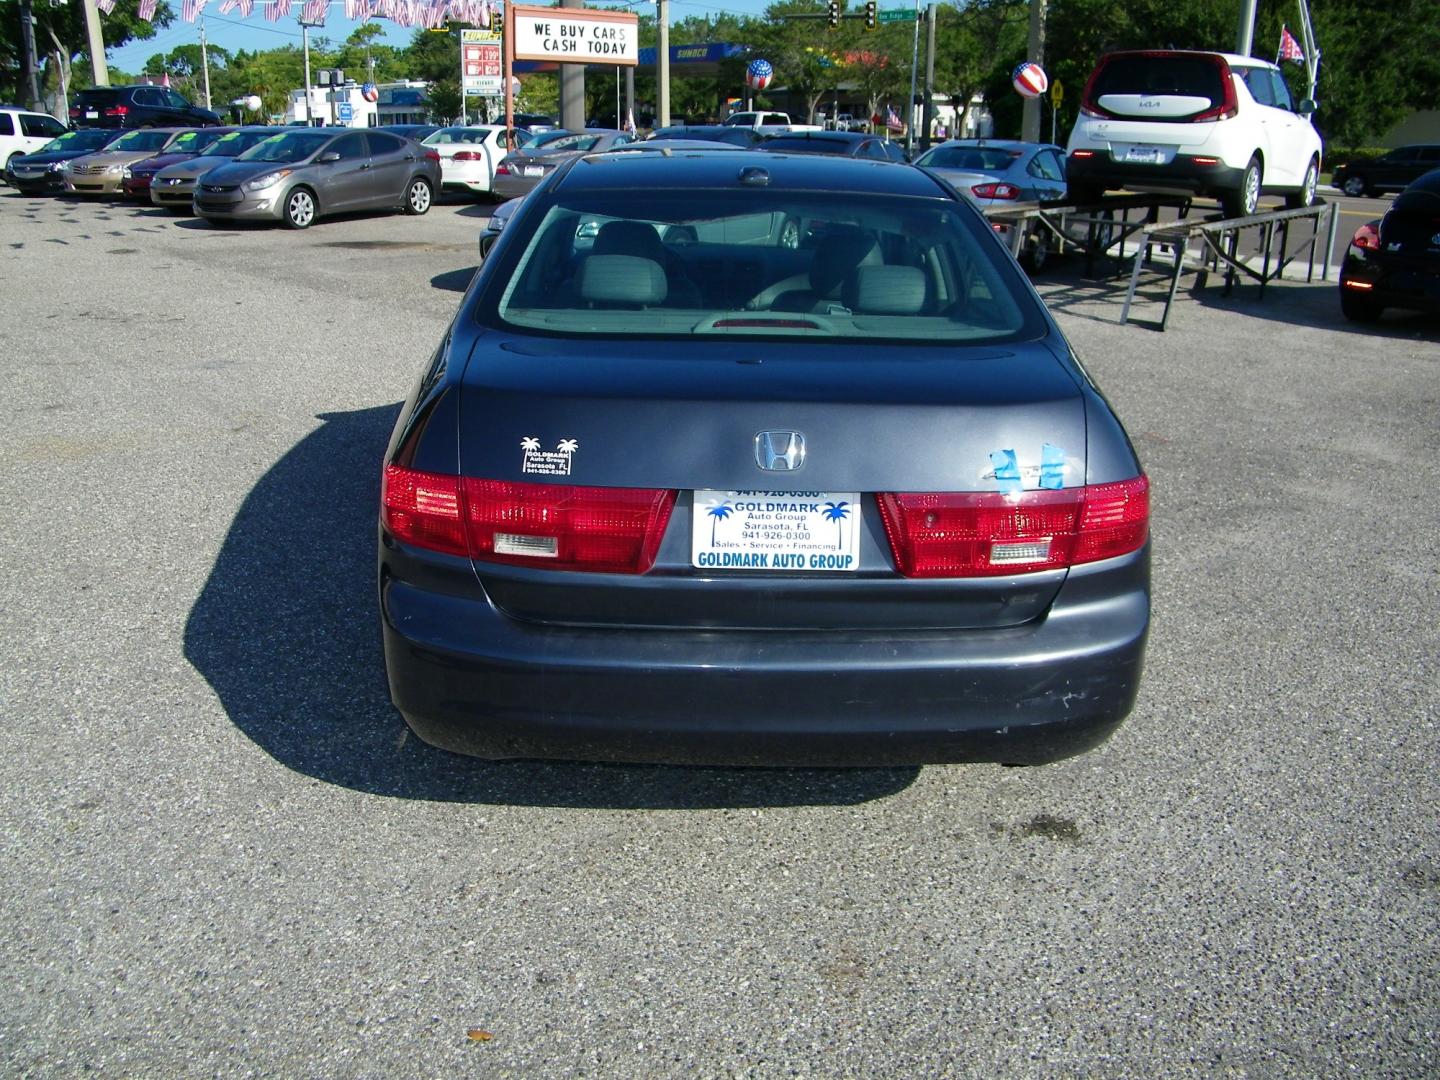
x: 392, y: 160
x: 344, y: 184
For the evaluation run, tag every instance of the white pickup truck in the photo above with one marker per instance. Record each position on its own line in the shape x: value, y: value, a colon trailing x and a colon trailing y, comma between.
x: 768, y: 123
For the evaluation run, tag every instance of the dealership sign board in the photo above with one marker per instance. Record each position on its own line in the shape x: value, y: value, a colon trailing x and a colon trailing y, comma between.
x: 575, y: 35
x: 481, y: 71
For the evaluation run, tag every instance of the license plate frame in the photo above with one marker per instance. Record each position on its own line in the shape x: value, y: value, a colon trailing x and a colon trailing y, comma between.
x: 1145, y: 155
x: 532, y: 171
x: 776, y: 531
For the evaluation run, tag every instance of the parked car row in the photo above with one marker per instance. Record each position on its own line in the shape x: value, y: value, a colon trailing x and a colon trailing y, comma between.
x: 291, y: 175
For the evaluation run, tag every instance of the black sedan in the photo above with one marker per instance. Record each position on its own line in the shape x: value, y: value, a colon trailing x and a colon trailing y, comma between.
x: 672, y: 490
x: 1389, y: 172
x: 734, y: 136
x: 1394, y: 262
x: 37, y: 173
x: 837, y: 143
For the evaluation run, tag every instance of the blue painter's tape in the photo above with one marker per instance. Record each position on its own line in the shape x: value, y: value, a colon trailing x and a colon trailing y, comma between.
x: 1052, y: 466
x: 1007, y: 470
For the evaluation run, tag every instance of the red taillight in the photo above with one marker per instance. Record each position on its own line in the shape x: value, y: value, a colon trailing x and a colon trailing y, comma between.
x: 502, y: 169
x: 1000, y: 190
x: 988, y: 534
x: 467, y: 155
x: 1082, y: 153
x: 1206, y: 160
x: 1367, y: 236
x: 556, y: 526
x: 432, y: 155
x: 74, y: 110
x: 118, y: 110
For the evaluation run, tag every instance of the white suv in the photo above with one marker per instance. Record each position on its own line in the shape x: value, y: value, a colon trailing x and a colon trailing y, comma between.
x: 1210, y: 123
x: 23, y: 132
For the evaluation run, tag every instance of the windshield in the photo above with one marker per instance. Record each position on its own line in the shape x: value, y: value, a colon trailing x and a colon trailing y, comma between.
x: 141, y: 140
x: 969, y: 158
x: 454, y: 136
x: 192, y: 142
x: 823, y: 266
x: 235, y: 143
x: 76, y: 140
x: 543, y: 138
x: 291, y: 147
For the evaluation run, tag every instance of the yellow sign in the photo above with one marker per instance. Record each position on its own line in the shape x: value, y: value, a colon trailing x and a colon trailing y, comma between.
x: 1057, y: 93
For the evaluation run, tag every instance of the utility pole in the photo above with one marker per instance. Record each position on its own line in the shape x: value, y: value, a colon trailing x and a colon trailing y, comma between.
x: 100, y: 73
x: 1034, y: 52
x: 932, y: 16
x: 572, y: 88
x: 1245, y: 35
x: 305, y: 41
x: 662, y: 62
x: 205, y: 61
x: 910, y: 102
x: 27, y: 37
x: 630, y: 93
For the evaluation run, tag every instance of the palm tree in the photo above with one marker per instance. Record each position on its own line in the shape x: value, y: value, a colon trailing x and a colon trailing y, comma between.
x: 568, y: 446
x: 718, y: 512
x: 529, y: 443
x: 837, y: 512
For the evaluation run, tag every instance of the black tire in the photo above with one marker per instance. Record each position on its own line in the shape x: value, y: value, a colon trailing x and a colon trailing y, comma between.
x: 1355, y: 186
x: 1361, y: 309
x: 301, y: 208
x: 1036, y: 255
x: 419, y: 196
x: 1296, y: 200
x: 1243, y: 201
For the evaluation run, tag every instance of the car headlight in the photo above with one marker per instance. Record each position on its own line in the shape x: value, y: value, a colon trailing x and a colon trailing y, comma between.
x: 262, y: 182
x: 57, y: 166
x: 117, y: 168
x: 125, y: 173
x: 64, y: 166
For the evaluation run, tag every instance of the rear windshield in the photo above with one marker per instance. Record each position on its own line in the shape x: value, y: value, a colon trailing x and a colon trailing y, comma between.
x: 97, y: 97
x: 77, y: 140
x: 543, y: 138
x: 452, y: 136
x: 809, y: 146
x: 141, y: 140
x: 973, y: 158
x: 707, y: 263
x: 1183, y: 76
x: 290, y: 147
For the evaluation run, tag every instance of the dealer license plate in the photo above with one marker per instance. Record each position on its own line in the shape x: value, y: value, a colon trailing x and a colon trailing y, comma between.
x: 91, y: 114
x: 776, y: 530
x: 534, y: 170
x: 1145, y: 155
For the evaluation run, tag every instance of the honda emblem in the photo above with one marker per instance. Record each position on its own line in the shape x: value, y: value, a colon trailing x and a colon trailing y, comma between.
x: 780, y: 451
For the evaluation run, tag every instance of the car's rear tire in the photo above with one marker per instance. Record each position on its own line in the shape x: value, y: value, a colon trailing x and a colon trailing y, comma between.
x: 1242, y: 201
x: 1362, y: 309
x: 1037, y: 251
x: 418, y: 196
x: 1355, y: 186
x: 300, y: 208
x: 1297, y: 200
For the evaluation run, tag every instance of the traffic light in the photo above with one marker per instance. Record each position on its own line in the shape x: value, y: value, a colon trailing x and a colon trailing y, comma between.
x: 834, y: 14
x: 870, y: 20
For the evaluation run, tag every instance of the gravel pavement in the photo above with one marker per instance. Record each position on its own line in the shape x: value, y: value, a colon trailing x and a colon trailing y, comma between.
x: 222, y: 854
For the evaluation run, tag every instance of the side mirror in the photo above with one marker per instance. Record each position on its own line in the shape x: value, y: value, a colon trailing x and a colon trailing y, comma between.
x: 487, y: 241
x: 1307, y: 106
x: 327, y: 157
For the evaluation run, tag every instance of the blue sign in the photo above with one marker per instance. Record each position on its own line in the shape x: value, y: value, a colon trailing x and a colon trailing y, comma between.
x: 345, y: 112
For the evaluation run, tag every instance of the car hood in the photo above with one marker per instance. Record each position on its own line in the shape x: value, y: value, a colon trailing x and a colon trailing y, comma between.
x: 237, y: 172
x: 156, y: 162
x: 52, y: 156
x: 115, y: 157
x: 194, y: 166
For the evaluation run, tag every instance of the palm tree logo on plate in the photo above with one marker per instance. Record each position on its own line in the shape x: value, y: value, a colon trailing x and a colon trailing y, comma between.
x: 529, y: 443
x: 837, y: 512
x: 568, y: 446
x: 718, y: 512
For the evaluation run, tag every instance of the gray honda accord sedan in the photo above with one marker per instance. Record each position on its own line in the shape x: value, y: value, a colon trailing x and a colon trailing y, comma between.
x: 301, y: 174
x: 677, y: 488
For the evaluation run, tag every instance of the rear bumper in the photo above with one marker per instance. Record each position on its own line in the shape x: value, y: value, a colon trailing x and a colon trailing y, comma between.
x: 1410, y: 286
x: 1180, y: 174
x: 470, y: 679
x: 511, y: 187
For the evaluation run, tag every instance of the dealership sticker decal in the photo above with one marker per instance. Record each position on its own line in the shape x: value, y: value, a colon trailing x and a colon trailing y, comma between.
x: 547, y: 462
x: 1012, y: 474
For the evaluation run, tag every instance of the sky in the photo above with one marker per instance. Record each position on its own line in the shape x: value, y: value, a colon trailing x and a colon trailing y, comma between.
x: 233, y: 33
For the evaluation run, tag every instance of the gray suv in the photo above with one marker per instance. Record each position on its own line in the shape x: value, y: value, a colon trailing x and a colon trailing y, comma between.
x: 302, y: 174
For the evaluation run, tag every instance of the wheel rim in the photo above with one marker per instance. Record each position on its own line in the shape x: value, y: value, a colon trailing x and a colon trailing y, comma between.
x: 1354, y: 186
x: 1252, y: 188
x: 1312, y: 177
x: 302, y: 208
x: 420, y: 196
x: 790, y: 235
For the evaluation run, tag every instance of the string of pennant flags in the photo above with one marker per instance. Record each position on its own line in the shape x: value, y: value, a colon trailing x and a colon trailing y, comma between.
x: 431, y: 14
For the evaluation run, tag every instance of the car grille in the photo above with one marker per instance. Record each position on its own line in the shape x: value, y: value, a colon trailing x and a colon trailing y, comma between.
x: 88, y: 170
x: 218, y: 189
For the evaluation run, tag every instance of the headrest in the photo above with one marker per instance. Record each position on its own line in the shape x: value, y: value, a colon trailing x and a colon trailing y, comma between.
x: 622, y: 279
x: 837, y: 254
x: 886, y: 290
x: 629, y: 238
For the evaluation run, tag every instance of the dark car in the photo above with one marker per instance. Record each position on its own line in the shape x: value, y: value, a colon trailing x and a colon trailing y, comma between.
x: 301, y: 174
x: 137, y: 107
x: 1394, y: 262
x: 734, y: 136
x: 854, y: 144
x: 671, y: 490
x: 135, y: 180
x: 40, y: 172
x: 1389, y: 172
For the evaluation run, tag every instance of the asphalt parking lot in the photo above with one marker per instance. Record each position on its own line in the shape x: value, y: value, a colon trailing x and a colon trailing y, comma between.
x: 224, y: 855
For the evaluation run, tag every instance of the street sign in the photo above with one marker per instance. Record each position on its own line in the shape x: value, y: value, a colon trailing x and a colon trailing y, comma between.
x: 345, y: 112
x: 481, y: 71
x: 898, y: 15
x: 1057, y: 93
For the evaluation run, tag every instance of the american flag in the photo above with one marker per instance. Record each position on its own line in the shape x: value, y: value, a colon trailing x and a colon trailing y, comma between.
x: 277, y: 9
x: 435, y: 14
x: 357, y: 9
x: 892, y: 118
x: 1289, y: 48
x: 314, y: 11
x: 246, y: 7
x: 107, y: 6
x: 189, y: 10
x: 484, y: 15
x: 227, y: 6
